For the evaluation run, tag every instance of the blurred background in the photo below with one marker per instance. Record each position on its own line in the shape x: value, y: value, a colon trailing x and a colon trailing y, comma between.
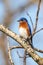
x: 10, y: 12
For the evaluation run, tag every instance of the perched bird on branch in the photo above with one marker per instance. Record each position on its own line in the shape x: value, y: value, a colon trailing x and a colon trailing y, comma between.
x: 25, y: 29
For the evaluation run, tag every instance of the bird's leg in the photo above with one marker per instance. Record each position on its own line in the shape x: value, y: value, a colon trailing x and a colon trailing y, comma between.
x: 23, y: 39
x: 30, y: 42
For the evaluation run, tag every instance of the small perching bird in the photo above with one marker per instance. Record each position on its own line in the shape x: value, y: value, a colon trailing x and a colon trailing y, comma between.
x: 25, y: 29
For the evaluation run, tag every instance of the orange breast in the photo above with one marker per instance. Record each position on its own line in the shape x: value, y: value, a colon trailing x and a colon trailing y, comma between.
x: 25, y: 25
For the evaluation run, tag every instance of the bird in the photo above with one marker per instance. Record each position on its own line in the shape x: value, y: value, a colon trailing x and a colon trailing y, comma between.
x: 25, y: 29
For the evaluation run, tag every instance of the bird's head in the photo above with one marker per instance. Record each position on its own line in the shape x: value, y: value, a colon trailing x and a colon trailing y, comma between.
x: 23, y: 20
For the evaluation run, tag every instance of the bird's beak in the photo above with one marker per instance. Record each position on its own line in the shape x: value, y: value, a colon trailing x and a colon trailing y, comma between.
x: 18, y: 21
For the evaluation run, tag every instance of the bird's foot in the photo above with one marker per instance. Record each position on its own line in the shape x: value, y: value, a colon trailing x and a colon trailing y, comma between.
x: 23, y: 39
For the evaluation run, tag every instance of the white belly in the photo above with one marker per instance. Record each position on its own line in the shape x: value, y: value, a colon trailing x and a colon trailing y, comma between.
x: 23, y: 32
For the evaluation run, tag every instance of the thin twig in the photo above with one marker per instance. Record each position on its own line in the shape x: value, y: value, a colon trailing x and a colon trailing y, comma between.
x: 37, y: 16
x: 30, y: 20
x: 38, y: 50
x: 19, y: 55
x: 25, y: 57
x: 14, y: 47
x: 37, y: 31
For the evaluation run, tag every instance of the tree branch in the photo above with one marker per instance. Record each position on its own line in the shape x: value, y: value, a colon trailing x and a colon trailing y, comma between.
x: 37, y: 31
x: 14, y: 47
x: 37, y: 16
x: 10, y: 55
x: 25, y: 45
x: 25, y: 57
x: 38, y: 50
